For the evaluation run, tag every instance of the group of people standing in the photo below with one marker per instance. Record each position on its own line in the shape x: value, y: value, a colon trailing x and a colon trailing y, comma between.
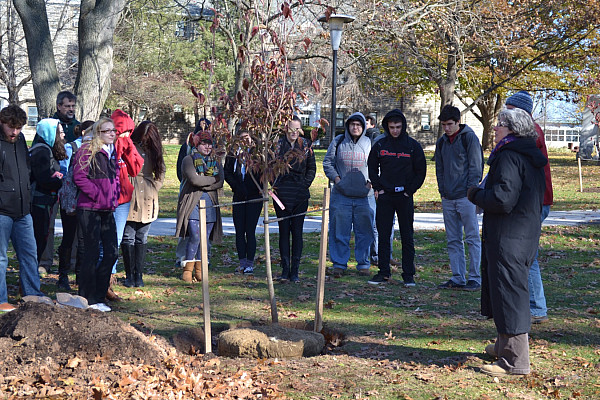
x: 111, y: 172
x: 375, y: 177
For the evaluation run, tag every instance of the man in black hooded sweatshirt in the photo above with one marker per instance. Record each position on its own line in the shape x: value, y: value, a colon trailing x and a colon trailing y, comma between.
x: 397, y: 169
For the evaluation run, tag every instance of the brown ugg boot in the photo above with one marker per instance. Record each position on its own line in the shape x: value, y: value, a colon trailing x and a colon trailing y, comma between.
x: 110, y: 294
x: 188, y: 269
x: 198, y: 270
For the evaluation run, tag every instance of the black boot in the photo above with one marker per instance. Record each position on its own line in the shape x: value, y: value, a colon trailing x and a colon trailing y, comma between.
x: 64, y: 265
x: 138, y: 268
x: 285, y: 271
x: 128, y: 251
x: 294, y: 271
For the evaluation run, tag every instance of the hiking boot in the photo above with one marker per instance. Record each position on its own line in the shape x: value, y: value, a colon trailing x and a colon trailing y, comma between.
x: 490, y: 350
x: 409, y: 282
x: 364, y: 272
x: 472, y: 286
x: 378, y: 279
x: 338, y: 272
x: 450, y: 285
x: 495, y: 370
x: 539, y: 319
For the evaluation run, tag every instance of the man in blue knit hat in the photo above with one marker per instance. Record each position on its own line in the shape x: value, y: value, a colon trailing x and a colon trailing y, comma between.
x: 537, y: 300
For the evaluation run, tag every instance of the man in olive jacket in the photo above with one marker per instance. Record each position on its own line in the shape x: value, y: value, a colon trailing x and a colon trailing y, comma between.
x: 15, y: 220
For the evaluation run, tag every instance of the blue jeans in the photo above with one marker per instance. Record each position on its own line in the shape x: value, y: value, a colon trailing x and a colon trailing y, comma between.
x: 460, y: 214
x: 20, y: 232
x: 537, y: 299
x: 347, y: 213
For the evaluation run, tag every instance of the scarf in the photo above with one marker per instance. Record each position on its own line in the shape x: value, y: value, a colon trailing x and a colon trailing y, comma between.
x: 507, y: 139
x: 205, y: 165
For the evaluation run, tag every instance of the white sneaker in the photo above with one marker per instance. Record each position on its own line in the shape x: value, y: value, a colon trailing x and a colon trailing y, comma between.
x: 100, y: 307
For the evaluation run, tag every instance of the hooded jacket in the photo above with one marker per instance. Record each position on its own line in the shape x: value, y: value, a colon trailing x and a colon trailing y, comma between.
x: 14, y: 177
x: 45, y: 186
x: 130, y: 160
x: 397, y: 165
x: 348, y: 160
x: 512, y: 202
x: 457, y: 168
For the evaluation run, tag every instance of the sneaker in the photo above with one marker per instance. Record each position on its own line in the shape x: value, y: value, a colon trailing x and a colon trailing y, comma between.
x: 471, y: 286
x: 539, y: 319
x: 295, y: 280
x: 378, y: 279
x: 338, y: 272
x: 495, y: 370
x: 6, y: 307
x: 364, y: 272
x: 409, y: 282
x: 490, y: 350
x: 282, y: 279
x: 450, y: 285
x: 249, y: 270
x: 100, y: 307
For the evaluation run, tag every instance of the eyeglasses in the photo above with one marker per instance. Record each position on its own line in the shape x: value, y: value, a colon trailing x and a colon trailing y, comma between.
x: 108, y: 131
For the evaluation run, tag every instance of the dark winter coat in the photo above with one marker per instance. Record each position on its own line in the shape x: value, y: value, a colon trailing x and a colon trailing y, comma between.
x: 292, y: 187
x: 68, y: 126
x: 512, y: 203
x: 397, y: 165
x: 243, y: 186
x: 44, y: 185
x: 14, y: 177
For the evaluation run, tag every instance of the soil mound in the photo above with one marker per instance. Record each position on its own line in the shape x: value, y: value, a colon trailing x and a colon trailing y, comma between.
x: 56, y: 334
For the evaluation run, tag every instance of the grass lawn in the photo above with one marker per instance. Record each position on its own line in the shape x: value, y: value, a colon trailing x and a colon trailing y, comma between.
x: 399, y: 343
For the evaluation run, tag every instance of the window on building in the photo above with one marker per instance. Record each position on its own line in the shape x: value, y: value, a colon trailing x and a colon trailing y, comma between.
x: 339, y: 119
x: 425, y: 121
x: 305, y: 119
x: 186, y: 30
x: 32, y: 116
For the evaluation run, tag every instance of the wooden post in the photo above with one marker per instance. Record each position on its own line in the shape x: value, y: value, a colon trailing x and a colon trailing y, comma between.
x: 318, y: 325
x: 205, y: 296
x: 580, y: 177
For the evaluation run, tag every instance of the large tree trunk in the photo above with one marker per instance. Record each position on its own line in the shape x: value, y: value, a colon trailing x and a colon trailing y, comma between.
x: 40, y: 53
x: 489, y: 107
x: 97, y: 22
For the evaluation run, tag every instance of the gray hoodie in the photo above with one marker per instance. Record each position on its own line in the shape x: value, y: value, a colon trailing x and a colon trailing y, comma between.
x: 349, y: 162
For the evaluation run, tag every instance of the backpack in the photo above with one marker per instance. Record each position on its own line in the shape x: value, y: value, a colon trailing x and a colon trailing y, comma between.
x: 69, y: 192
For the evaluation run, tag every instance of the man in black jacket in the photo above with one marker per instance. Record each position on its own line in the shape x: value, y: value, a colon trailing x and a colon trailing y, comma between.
x: 397, y: 169
x: 15, y: 220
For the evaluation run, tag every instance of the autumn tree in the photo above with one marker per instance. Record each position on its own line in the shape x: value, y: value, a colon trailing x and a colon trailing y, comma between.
x: 97, y: 22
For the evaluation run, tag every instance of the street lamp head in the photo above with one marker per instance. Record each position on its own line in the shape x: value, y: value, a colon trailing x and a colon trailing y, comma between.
x: 336, y: 26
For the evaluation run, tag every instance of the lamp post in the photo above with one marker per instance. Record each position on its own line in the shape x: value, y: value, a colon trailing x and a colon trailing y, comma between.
x: 336, y: 27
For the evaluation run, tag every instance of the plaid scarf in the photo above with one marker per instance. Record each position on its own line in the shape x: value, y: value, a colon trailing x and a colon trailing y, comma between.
x: 205, y: 165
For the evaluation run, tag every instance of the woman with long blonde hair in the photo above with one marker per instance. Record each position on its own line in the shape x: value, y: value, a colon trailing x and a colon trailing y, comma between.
x: 96, y: 174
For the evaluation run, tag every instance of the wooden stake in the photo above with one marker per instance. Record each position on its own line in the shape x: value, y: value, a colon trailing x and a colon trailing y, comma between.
x: 274, y: 316
x: 580, y: 177
x: 318, y: 325
x: 205, y: 296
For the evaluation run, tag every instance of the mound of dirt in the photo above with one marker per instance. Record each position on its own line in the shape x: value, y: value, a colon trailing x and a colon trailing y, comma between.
x: 56, y: 334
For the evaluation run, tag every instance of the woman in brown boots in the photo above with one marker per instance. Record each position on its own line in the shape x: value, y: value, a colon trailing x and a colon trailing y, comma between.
x: 202, y: 175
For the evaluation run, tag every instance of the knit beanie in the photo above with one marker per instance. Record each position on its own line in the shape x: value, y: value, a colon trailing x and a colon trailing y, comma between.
x: 521, y: 100
x: 122, y: 121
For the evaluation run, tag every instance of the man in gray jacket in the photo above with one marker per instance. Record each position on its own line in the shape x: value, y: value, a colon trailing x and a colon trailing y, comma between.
x: 458, y: 166
x: 352, y: 201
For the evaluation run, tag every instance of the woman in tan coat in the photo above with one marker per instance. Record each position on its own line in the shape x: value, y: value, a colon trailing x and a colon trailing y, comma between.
x: 144, y: 201
x: 202, y: 176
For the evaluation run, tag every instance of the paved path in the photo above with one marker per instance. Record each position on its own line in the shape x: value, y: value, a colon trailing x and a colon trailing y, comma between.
x: 423, y: 221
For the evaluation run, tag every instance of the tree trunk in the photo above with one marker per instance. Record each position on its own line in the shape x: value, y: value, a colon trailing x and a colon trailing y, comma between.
x: 489, y: 107
x: 40, y: 53
x: 97, y: 22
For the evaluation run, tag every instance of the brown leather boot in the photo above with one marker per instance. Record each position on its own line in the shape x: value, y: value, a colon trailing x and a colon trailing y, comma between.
x: 110, y: 294
x: 198, y: 270
x: 188, y: 270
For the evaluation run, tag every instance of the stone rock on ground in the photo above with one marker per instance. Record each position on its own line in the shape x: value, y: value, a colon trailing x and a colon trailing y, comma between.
x: 37, y: 331
x: 271, y: 341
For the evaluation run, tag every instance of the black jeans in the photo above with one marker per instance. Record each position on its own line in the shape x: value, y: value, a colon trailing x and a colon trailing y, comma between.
x: 294, y: 226
x: 245, y: 219
x: 41, y: 227
x: 403, y: 206
x: 96, y: 227
x: 69, y: 226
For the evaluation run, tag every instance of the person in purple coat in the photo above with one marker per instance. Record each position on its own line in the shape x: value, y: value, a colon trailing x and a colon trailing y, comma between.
x: 96, y: 174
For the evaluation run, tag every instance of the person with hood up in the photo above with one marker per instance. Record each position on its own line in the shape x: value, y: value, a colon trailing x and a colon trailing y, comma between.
x: 352, y: 202
x: 397, y: 169
x: 48, y: 148
x: 130, y: 165
x: 511, y: 199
